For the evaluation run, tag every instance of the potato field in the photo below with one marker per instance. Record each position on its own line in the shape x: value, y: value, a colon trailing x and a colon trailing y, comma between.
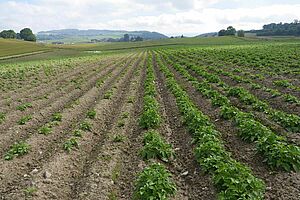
x: 184, y: 123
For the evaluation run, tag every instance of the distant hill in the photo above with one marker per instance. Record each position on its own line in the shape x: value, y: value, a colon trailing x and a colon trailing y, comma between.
x: 212, y: 34
x: 75, y: 35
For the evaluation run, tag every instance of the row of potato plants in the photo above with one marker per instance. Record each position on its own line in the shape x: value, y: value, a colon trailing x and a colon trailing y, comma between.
x: 155, y: 181
x: 233, y: 179
x: 289, y: 121
x: 246, y: 77
x: 277, y: 151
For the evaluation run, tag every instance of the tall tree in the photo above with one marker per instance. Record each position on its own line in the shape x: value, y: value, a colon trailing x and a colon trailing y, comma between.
x: 222, y: 32
x: 126, y: 38
x: 27, y: 34
x: 230, y: 30
x: 241, y: 33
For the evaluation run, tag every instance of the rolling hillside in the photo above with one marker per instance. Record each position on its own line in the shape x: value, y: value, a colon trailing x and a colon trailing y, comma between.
x: 80, y: 36
x: 12, y: 48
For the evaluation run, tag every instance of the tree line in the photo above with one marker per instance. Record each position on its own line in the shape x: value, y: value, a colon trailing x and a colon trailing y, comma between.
x: 273, y: 29
x: 125, y: 38
x: 25, y: 34
x: 280, y: 29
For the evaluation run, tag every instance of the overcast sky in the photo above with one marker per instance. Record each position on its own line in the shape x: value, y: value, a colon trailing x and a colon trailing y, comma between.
x: 188, y: 17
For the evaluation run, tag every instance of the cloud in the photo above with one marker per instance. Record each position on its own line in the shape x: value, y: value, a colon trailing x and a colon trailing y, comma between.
x: 175, y: 17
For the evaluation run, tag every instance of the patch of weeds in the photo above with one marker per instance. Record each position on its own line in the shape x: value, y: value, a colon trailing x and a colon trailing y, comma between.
x: 24, y: 119
x: 30, y: 191
x: 130, y: 99
x: 105, y: 157
x: 8, y: 104
x: 2, y: 117
x: 57, y: 117
x: 112, y: 195
x: 119, y: 138
x: 91, y: 114
x: 77, y: 83
x: 121, y: 123
x: 70, y: 144
x: 108, y: 94
x: 125, y: 115
x: 16, y: 150
x: 99, y: 82
x: 77, y: 133
x: 116, y: 173
x: 72, y: 104
x: 76, y: 102
x: 45, y: 130
x: 24, y: 106
x: 85, y: 126
x: 52, y: 124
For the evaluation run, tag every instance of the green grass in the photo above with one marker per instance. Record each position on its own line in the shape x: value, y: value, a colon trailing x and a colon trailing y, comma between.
x: 30, y: 191
x: 16, y: 47
x: 9, y: 47
x: 2, y: 117
x: 163, y: 42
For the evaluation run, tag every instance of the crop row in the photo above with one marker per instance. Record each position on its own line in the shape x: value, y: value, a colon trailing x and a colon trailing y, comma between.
x: 277, y: 151
x: 154, y: 182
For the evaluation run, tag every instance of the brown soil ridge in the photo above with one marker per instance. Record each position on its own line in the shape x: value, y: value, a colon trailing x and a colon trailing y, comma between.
x: 132, y: 164
x: 101, y: 176
x: 67, y: 168
x: 192, y: 181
